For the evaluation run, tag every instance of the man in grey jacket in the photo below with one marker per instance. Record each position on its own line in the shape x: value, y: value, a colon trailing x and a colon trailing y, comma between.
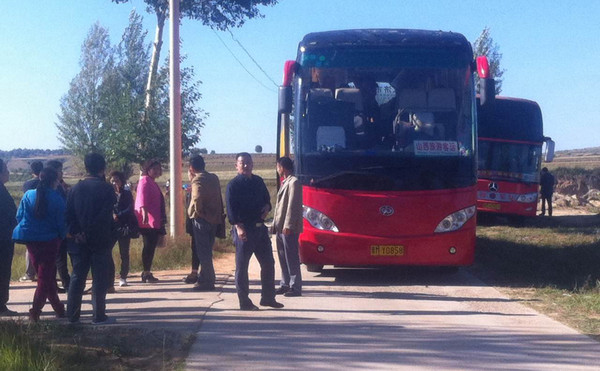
x: 287, y: 225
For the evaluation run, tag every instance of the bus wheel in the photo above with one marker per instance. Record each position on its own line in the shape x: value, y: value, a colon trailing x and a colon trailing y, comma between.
x: 315, y: 268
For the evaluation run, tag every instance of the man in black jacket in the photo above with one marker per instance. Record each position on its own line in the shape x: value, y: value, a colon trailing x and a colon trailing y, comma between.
x: 248, y: 203
x: 546, y: 190
x: 90, y: 227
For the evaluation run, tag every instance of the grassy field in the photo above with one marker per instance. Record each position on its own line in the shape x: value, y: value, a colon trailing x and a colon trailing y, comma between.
x: 550, y: 264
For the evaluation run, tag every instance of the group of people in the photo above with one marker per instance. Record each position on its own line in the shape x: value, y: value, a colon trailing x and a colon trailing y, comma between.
x: 88, y: 219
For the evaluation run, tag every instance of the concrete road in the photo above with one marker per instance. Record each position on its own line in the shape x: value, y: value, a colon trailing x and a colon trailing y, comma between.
x: 412, y: 319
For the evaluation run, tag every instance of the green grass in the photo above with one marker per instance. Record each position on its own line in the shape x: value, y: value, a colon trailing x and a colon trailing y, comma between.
x: 21, y: 350
x: 47, y: 345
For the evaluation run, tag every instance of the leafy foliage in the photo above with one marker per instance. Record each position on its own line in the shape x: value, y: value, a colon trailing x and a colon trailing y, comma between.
x: 104, y: 110
x: 222, y: 15
x: 80, y: 124
x: 485, y: 45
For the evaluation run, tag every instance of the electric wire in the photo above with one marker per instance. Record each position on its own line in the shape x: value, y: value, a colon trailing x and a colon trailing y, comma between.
x: 252, y: 58
x: 241, y: 64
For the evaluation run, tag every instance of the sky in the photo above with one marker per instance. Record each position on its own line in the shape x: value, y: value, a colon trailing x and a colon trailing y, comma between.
x: 550, y: 51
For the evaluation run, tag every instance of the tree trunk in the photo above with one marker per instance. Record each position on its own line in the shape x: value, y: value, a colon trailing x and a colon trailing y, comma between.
x: 160, y: 24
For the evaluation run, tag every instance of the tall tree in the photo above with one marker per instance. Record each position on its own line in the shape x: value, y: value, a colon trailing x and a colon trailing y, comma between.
x: 485, y: 45
x: 104, y: 108
x: 124, y: 106
x: 80, y: 124
x: 222, y: 15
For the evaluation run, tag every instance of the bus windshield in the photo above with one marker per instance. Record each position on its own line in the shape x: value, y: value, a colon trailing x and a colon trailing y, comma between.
x: 384, y: 119
x: 509, y: 161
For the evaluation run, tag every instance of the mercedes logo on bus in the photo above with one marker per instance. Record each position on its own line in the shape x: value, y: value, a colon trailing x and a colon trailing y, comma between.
x: 386, y: 210
x: 493, y: 187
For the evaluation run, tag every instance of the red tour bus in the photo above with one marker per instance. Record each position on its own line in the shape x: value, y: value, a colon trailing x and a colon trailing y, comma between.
x: 383, y: 128
x: 510, y: 156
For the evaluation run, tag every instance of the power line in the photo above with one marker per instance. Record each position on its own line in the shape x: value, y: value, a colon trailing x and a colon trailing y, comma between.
x: 241, y: 64
x: 253, y: 60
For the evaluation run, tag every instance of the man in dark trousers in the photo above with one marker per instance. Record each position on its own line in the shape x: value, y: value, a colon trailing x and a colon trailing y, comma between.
x: 205, y: 211
x: 36, y: 168
x: 90, y: 226
x: 248, y: 204
x: 287, y: 225
x: 8, y: 221
x: 546, y: 190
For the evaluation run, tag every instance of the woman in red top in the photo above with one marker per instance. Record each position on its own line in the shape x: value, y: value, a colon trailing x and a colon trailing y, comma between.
x: 151, y: 215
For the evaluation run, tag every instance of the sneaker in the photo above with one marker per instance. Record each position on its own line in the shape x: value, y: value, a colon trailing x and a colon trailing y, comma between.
x: 27, y: 278
x: 106, y: 321
x: 123, y: 282
x: 61, y: 290
x: 190, y: 278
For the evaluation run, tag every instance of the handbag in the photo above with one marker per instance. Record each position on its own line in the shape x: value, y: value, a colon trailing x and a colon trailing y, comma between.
x: 220, y: 231
x: 126, y: 231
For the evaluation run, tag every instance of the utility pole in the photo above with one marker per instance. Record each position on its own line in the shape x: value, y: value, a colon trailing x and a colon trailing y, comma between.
x: 176, y: 196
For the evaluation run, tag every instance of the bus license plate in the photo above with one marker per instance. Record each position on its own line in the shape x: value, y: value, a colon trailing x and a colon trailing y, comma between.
x: 491, y: 206
x: 387, y: 250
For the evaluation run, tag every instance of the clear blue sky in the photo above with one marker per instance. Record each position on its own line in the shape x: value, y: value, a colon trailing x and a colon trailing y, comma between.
x: 551, y: 51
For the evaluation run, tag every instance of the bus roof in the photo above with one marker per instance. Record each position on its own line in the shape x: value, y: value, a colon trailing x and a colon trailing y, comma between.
x: 387, y: 37
x: 513, y: 119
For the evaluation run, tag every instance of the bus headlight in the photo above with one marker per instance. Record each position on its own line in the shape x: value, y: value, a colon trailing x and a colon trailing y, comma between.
x: 318, y: 220
x: 527, y: 198
x: 455, y: 220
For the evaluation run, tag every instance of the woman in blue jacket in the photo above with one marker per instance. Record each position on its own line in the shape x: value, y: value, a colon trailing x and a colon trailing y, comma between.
x: 41, y: 218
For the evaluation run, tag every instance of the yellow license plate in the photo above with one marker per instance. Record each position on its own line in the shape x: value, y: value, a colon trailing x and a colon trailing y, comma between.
x: 492, y: 206
x: 387, y: 250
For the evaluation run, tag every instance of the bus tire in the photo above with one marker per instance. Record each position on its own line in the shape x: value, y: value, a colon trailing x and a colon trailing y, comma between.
x: 315, y: 268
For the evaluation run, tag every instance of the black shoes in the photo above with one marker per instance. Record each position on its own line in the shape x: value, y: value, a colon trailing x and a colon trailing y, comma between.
x: 203, y: 287
x: 282, y: 290
x: 292, y: 293
x: 248, y: 307
x: 149, y: 278
x: 190, y: 278
x: 270, y: 303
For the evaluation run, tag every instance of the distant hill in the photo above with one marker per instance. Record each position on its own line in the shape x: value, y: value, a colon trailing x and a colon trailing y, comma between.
x: 591, y: 151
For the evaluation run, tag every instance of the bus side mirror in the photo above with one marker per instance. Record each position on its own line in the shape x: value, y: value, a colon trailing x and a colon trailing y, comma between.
x: 549, y: 150
x: 285, y: 99
x: 285, y: 90
x: 487, y: 85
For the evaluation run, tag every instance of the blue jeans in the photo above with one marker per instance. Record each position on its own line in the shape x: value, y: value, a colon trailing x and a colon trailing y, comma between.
x: 204, y: 239
x: 84, y: 257
x: 258, y: 243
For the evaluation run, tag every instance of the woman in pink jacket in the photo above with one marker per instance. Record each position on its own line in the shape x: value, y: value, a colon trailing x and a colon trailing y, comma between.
x: 150, y: 211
